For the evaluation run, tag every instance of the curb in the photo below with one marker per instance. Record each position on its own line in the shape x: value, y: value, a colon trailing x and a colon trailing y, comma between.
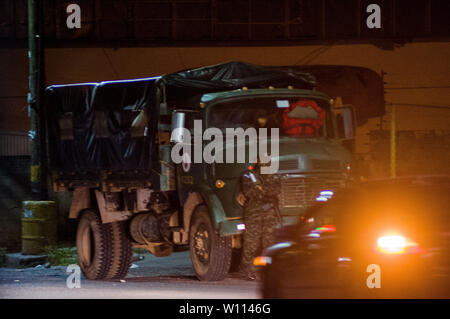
x: 18, y: 260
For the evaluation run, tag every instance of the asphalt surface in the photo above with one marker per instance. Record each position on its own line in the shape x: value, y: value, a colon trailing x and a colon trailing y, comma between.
x: 169, y: 277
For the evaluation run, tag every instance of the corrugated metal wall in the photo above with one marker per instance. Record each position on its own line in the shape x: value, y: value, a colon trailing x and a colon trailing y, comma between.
x: 14, y: 144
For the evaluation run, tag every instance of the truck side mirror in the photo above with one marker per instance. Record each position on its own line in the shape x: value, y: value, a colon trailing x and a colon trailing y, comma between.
x: 346, y: 123
x: 177, y: 127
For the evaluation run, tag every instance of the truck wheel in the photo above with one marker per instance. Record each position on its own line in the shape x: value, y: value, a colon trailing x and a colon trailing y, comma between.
x: 210, y: 253
x: 94, y: 246
x: 122, y: 251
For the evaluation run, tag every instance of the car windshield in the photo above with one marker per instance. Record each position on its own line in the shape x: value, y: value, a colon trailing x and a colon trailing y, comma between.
x: 294, y: 116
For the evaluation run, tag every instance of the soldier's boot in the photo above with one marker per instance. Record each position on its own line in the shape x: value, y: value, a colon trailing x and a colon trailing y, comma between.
x: 247, y: 272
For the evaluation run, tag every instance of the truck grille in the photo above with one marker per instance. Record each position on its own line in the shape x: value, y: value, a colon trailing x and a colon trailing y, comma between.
x: 287, y: 165
x: 302, y: 191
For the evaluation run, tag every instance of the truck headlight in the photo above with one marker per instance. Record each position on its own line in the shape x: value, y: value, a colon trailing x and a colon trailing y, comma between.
x: 220, y: 183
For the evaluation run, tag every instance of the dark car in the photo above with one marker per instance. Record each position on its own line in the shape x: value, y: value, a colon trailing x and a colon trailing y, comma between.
x: 379, y: 239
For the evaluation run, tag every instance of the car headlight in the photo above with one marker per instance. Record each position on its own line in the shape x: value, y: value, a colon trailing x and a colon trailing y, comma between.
x: 262, y: 261
x: 396, y: 244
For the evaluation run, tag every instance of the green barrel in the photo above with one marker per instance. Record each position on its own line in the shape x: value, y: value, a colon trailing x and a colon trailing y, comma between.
x: 39, y: 224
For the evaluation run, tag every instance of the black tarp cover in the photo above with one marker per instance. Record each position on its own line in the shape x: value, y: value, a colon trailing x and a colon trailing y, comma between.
x: 100, y: 117
x: 231, y: 76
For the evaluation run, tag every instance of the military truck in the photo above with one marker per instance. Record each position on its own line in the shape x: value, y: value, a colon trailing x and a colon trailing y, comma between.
x: 110, y: 144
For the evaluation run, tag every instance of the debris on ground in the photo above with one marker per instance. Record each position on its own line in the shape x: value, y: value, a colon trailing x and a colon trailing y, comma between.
x: 62, y: 256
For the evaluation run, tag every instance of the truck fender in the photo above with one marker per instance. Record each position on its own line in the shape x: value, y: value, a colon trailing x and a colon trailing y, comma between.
x: 81, y: 199
x: 108, y: 209
x: 193, y: 200
x: 210, y: 199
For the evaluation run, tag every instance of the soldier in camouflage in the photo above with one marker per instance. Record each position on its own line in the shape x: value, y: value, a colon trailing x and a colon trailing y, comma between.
x: 260, y: 215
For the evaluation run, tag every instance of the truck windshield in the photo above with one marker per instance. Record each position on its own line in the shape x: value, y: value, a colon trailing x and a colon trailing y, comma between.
x: 294, y: 116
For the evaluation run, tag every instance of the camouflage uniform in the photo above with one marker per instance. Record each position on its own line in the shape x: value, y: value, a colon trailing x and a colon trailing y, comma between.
x: 260, y: 215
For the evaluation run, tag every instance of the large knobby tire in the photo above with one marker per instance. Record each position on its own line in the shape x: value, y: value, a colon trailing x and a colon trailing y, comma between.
x: 122, y: 251
x: 94, y: 246
x: 210, y: 253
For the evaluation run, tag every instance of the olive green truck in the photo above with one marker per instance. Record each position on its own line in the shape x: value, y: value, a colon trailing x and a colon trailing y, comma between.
x: 111, y: 145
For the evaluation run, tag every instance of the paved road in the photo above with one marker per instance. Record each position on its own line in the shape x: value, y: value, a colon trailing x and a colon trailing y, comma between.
x: 167, y: 277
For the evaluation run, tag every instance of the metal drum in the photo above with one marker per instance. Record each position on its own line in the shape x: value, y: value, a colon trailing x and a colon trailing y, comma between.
x: 39, y: 225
